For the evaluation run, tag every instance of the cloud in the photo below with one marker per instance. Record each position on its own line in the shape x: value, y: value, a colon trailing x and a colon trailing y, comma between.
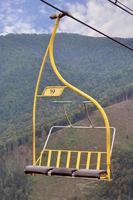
x: 14, y: 18
x: 42, y: 9
x: 20, y: 27
x: 101, y: 15
x: 28, y: 17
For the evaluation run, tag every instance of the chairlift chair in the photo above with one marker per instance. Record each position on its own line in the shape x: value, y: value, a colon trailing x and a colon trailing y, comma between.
x: 77, y: 170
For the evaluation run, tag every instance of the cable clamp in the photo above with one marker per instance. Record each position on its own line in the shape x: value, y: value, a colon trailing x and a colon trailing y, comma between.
x: 60, y: 15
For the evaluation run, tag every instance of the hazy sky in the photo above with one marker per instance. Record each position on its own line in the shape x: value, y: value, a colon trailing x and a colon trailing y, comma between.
x: 32, y: 16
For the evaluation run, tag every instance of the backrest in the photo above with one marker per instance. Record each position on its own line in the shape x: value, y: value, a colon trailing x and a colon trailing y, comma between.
x: 73, y: 159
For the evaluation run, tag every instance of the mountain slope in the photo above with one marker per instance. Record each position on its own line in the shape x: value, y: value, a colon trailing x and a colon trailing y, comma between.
x: 105, y: 70
x: 42, y: 187
x: 95, y: 65
x: 121, y: 116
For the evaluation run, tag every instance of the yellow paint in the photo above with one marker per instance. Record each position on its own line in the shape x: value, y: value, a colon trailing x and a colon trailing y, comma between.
x: 58, y: 159
x: 73, y: 151
x: 53, y: 91
x: 88, y: 160
x: 78, y: 160
x: 40, y: 159
x: 49, y: 158
x: 81, y: 93
x: 98, y: 160
x: 68, y: 159
x: 34, y: 107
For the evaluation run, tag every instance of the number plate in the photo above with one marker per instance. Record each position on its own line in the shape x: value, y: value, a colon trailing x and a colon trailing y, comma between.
x: 53, y: 91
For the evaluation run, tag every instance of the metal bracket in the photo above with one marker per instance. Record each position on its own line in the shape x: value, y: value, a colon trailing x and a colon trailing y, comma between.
x: 60, y: 15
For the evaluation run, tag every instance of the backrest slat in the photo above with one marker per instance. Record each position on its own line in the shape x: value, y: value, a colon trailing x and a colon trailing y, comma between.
x: 64, y: 158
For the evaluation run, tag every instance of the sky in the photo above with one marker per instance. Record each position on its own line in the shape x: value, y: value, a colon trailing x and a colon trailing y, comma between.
x: 32, y: 16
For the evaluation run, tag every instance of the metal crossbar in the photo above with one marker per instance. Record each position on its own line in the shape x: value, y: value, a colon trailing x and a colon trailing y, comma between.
x: 66, y: 114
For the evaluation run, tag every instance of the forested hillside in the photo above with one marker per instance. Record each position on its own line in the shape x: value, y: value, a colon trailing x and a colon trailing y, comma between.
x: 15, y: 185
x: 95, y: 65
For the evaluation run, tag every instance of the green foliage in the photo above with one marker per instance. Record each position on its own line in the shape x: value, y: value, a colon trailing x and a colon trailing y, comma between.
x: 121, y: 187
x: 13, y: 184
x: 95, y: 65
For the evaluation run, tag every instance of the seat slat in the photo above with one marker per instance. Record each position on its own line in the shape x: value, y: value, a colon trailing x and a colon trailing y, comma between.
x: 31, y: 169
x: 78, y: 160
x: 68, y: 159
x: 91, y: 173
x: 88, y: 160
x: 98, y: 160
x: 49, y: 158
x: 62, y: 171
x: 58, y: 159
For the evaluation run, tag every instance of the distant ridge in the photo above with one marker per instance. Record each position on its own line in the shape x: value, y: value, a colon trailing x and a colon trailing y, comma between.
x: 95, y: 65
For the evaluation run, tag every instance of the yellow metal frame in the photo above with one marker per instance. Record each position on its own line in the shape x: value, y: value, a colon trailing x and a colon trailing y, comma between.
x: 50, y: 52
x: 69, y: 153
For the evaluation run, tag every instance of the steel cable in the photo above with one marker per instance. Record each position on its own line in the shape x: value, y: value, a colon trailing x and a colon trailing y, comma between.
x: 83, y: 23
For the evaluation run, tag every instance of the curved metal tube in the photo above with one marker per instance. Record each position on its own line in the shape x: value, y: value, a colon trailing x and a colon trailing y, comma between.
x: 73, y: 88
x: 34, y: 106
x: 81, y: 93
